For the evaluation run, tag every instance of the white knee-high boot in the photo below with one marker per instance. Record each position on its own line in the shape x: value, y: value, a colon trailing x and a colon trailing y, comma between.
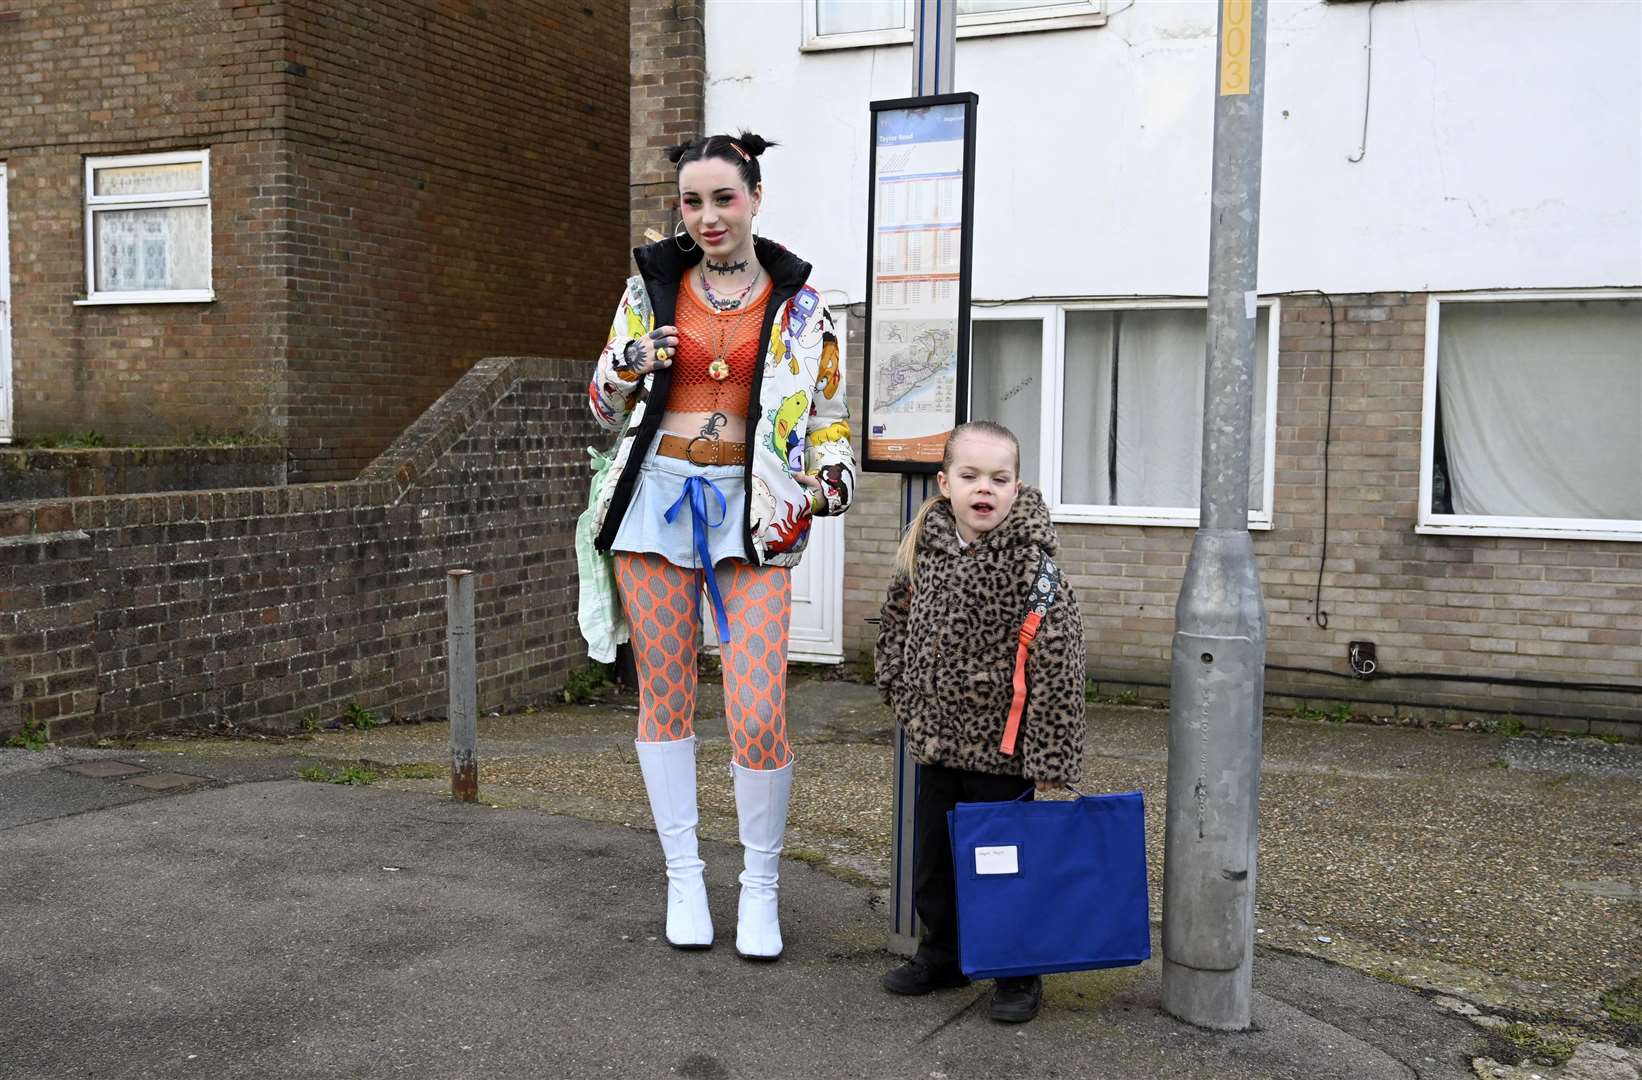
x: 670, y: 777
x: 761, y: 797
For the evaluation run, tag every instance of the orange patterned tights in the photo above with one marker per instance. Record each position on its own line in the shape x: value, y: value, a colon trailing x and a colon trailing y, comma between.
x: 662, y: 602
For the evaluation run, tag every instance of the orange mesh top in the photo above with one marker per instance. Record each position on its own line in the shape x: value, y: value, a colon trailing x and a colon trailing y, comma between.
x: 704, y: 335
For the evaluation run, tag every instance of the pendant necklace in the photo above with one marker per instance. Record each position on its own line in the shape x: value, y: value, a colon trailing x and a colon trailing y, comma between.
x: 719, y: 369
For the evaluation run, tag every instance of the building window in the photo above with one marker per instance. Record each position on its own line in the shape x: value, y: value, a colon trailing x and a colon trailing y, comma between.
x: 1533, y: 416
x: 846, y: 24
x: 148, y: 228
x: 1107, y: 400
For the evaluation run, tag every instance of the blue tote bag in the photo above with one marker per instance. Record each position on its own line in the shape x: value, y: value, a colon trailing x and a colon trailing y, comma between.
x: 1050, y: 886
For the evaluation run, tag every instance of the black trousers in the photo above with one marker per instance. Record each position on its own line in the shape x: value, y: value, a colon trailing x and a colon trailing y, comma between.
x: 934, y: 890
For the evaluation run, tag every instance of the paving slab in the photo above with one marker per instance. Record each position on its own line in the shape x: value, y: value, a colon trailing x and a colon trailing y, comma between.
x: 102, y: 770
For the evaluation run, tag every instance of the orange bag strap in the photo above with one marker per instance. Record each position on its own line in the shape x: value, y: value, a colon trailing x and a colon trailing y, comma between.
x: 1038, y: 602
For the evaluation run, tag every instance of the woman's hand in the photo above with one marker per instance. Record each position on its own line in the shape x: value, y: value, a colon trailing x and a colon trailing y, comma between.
x: 652, y: 352
x: 817, y: 493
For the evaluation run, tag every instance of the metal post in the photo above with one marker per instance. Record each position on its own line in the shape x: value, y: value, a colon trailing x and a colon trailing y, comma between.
x: 934, y: 49
x: 1218, y: 680
x: 462, y: 675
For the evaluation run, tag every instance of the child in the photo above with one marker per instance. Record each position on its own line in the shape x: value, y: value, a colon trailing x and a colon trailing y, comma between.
x: 947, y: 643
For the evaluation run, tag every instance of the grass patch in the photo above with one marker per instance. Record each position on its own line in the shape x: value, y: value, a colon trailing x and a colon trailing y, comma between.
x: 418, y: 772
x: 1531, y: 1042
x: 33, y: 736
x: 1394, y: 978
x: 1623, y: 1004
x: 584, y: 685
x: 348, y: 774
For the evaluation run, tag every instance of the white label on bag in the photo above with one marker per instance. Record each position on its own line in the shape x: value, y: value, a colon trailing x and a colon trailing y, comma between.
x: 997, y: 860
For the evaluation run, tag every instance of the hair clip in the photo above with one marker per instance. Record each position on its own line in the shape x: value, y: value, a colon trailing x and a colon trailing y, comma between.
x: 737, y: 148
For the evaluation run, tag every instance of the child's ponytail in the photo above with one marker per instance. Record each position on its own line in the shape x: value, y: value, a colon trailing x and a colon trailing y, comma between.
x: 906, y: 556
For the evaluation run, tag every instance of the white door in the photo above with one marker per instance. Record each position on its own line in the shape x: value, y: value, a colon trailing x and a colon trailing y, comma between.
x: 5, y: 315
x: 817, y: 633
x: 818, y: 596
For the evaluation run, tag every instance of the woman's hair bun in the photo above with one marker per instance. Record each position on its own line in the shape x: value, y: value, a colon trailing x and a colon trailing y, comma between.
x: 674, y: 153
x: 754, y: 144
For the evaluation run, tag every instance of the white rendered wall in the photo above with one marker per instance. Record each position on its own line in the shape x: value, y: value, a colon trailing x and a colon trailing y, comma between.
x: 1504, y: 146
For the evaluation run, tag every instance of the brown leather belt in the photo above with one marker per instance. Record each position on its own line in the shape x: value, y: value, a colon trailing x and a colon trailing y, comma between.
x: 702, y: 450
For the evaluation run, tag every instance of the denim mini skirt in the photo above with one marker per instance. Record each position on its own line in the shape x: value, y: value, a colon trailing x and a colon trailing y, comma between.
x: 645, y: 529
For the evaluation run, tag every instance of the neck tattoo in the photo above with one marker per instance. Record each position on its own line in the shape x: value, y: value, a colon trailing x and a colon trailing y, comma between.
x: 726, y: 268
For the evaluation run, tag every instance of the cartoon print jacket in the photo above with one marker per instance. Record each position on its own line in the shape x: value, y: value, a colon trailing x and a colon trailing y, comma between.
x: 797, y: 419
x: 946, y: 649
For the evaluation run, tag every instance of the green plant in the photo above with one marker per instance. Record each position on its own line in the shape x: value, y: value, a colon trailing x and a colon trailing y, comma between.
x: 584, y: 685
x: 1307, y: 712
x: 417, y: 772
x: 1611, y: 739
x: 1342, y: 714
x: 360, y: 717
x: 33, y: 737
x: 310, y: 722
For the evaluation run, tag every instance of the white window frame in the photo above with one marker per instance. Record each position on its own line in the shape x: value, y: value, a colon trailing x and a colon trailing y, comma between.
x: 1053, y: 406
x: 95, y: 203
x: 1064, y: 16
x: 1501, y: 525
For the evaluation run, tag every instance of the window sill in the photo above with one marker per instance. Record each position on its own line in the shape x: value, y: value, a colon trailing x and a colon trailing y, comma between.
x: 1569, y: 531
x: 1158, y: 518
x: 198, y: 296
x: 873, y: 39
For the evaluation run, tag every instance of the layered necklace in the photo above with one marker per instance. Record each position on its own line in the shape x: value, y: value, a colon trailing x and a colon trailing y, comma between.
x: 719, y: 369
x: 727, y: 303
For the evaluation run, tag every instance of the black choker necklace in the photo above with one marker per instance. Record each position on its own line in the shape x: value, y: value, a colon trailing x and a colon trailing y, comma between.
x: 726, y: 268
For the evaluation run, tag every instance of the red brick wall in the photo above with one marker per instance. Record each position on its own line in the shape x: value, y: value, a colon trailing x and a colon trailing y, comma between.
x: 398, y: 188
x: 669, y: 66
x: 1558, y: 610
x: 266, y: 607
x: 129, y: 77
x: 460, y: 177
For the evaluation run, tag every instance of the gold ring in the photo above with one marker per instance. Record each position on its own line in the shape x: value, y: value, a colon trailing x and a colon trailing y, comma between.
x: 662, y: 354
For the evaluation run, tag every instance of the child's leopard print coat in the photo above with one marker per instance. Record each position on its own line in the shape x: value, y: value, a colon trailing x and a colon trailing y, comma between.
x: 946, y: 650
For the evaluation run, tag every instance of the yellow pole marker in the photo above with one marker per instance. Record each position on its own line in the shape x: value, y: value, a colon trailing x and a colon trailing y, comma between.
x: 1236, y: 45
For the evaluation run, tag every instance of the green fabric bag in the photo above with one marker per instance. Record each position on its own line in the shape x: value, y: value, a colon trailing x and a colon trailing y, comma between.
x: 598, y: 610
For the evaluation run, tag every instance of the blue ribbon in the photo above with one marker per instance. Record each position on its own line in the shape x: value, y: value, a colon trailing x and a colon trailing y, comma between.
x: 695, y: 491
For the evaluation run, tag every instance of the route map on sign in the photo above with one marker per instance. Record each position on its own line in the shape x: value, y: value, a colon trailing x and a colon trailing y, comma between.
x: 918, y: 367
x: 917, y: 236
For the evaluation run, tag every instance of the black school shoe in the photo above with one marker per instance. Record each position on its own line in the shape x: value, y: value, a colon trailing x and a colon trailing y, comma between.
x: 1015, y: 1001
x: 918, y: 976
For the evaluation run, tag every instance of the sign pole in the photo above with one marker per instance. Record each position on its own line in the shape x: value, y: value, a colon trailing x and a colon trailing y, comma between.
x: 934, y: 49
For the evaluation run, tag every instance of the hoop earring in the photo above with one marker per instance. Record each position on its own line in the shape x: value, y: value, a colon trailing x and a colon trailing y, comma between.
x: 678, y: 242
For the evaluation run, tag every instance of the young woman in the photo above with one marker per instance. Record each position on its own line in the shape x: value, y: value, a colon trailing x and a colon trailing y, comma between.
x: 723, y: 366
